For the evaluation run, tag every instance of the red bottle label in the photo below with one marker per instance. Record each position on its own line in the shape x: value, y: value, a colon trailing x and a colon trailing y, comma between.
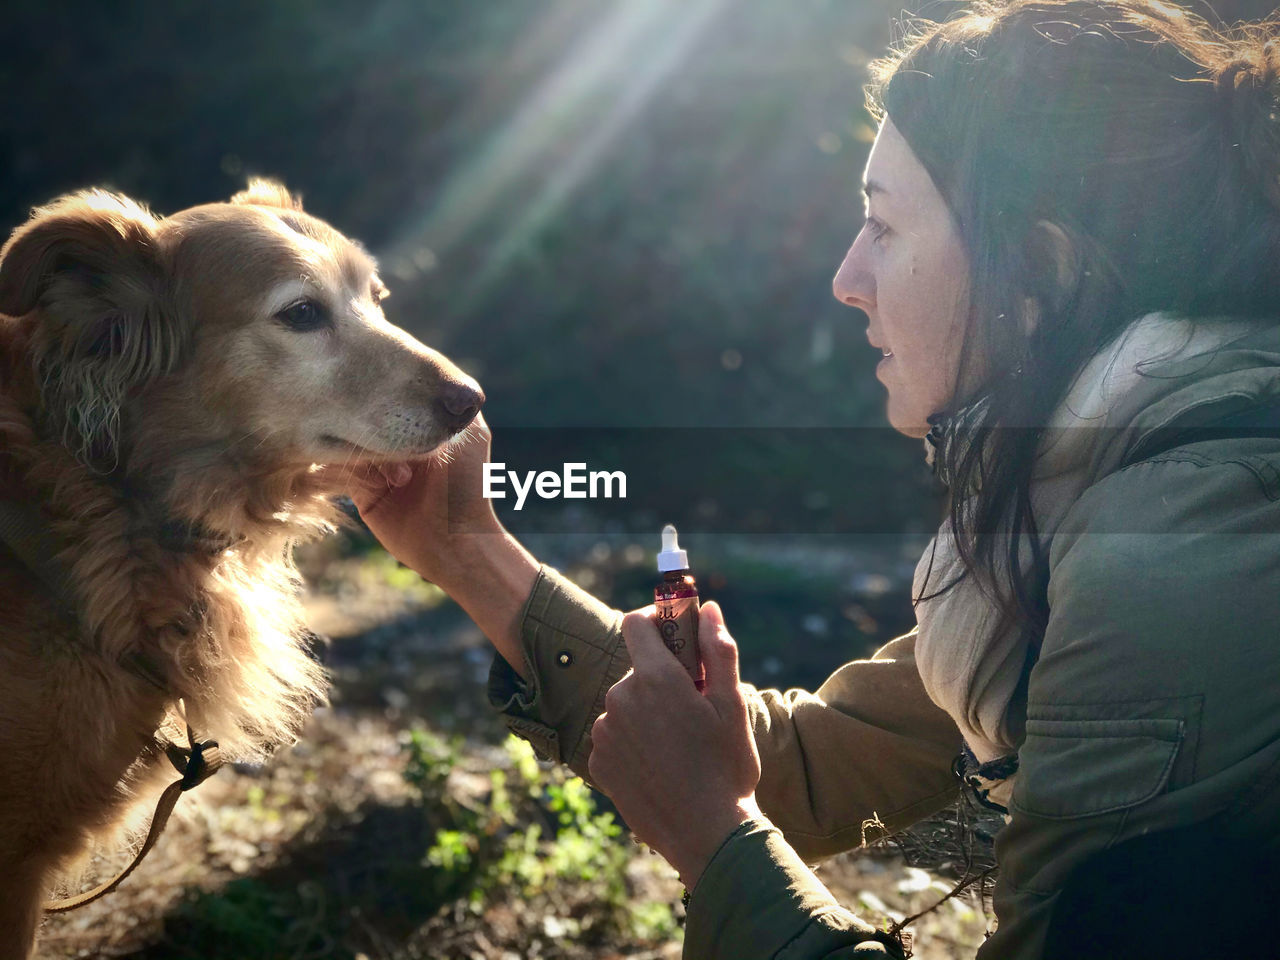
x: 677, y: 606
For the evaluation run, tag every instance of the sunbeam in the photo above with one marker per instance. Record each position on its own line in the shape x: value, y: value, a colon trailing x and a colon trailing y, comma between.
x: 586, y: 101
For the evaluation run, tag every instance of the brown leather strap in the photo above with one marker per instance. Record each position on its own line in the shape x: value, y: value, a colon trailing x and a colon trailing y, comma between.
x: 196, y: 764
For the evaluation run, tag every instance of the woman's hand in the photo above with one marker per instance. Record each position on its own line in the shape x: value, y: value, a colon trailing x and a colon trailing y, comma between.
x: 431, y: 516
x: 426, y: 511
x: 681, y: 766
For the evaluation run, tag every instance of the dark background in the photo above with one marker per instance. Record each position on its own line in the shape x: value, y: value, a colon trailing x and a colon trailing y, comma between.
x: 620, y: 214
x: 613, y: 214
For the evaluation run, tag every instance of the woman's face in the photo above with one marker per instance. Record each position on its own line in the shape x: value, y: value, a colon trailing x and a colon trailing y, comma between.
x: 909, y: 272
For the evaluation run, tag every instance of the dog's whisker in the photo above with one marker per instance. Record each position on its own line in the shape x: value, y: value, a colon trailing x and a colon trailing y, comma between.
x: 357, y: 447
x: 269, y: 431
x: 445, y: 452
x: 265, y: 437
x: 370, y: 432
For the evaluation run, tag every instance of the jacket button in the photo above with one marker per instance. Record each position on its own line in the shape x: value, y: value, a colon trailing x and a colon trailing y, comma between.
x: 564, y: 658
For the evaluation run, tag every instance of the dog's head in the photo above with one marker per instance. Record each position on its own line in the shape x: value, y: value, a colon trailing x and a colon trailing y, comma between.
x: 247, y: 331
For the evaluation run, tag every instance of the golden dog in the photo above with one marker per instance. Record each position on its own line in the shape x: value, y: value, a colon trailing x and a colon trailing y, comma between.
x: 176, y: 395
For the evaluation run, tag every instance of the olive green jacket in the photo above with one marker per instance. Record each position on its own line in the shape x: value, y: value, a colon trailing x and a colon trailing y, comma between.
x: 1153, y: 704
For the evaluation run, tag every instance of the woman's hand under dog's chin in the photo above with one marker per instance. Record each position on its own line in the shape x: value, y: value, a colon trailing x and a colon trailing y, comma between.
x: 429, y: 512
x: 431, y: 516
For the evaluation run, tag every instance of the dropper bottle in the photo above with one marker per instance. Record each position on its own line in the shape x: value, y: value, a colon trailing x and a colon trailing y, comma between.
x: 676, y: 600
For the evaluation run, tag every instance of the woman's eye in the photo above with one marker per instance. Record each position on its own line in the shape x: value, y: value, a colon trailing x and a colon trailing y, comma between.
x: 878, y: 229
x: 303, y: 316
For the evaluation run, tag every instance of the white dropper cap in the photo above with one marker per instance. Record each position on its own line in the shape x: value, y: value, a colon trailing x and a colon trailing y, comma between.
x: 671, y: 557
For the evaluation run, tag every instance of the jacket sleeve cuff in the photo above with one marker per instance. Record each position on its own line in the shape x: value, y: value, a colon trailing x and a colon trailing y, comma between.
x: 757, y: 898
x: 573, y: 652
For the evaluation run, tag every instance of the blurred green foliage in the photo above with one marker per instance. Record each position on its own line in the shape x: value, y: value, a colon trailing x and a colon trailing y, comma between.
x: 531, y: 832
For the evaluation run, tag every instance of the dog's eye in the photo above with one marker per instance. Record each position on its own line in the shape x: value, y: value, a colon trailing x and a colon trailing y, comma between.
x: 303, y: 316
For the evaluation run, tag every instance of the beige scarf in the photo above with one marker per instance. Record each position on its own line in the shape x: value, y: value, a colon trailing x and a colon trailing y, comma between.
x: 967, y: 671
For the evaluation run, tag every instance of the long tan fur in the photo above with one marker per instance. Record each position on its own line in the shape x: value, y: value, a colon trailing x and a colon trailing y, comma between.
x: 147, y: 386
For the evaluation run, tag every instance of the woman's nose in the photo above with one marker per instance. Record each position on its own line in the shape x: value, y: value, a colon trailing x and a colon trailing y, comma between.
x: 851, y: 284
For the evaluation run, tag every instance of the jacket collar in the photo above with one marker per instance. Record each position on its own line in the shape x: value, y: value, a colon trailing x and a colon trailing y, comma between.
x: 1161, y: 370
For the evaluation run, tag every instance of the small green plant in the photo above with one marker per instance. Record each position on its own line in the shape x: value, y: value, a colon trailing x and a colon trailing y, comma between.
x: 536, y: 830
x: 247, y: 919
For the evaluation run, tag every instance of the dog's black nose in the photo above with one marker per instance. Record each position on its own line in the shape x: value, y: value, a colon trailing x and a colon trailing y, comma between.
x: 458, y: 403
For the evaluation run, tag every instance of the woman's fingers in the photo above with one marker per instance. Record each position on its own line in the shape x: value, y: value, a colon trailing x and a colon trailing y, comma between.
x: 368, y: 484
x: 644, y: 643
x: 720, y: 660
x: 396, y: 474
x: 363, y: 482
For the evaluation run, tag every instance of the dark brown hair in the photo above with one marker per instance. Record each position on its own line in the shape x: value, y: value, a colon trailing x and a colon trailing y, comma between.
x: 1150, y: 138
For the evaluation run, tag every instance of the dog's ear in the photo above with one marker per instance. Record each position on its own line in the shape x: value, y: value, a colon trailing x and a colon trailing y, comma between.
x: 268, y: 193
x: 88, y: 266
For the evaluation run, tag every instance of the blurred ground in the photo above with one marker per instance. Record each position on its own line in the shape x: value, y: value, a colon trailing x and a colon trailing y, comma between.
x: 319, y: 853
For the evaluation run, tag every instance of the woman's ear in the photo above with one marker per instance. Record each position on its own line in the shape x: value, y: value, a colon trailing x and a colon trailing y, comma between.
x: 1055, y: 263
x: 87, y: 269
